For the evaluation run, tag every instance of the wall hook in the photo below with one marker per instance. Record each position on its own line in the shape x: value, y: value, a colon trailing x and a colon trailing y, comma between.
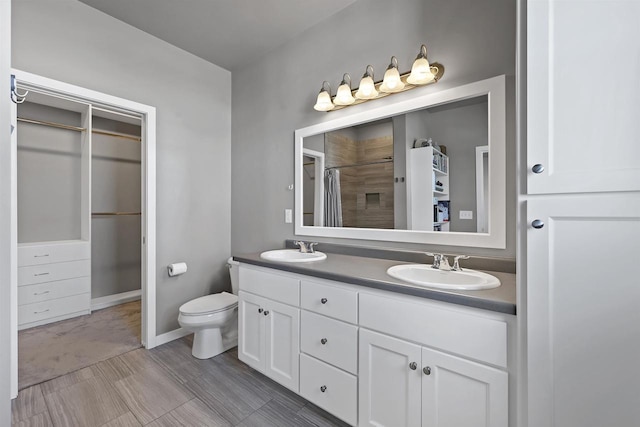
x: 16, y: 97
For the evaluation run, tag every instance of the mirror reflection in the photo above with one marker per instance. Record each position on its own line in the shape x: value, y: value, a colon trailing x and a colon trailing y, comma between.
x: 425, y: 170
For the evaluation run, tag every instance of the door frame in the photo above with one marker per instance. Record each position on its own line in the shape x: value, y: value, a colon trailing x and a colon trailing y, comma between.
x: 147, y: 115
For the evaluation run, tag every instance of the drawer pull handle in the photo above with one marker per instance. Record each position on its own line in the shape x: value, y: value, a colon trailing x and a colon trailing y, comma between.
x: 323, y: 341
x: 40, y: 312
x: 413, y: 366
x: 41, y: 274
x: 40, y: 293
x: 323, y: 388
x: 260, y: 310
x: 40, y: 256
x: 537, y: 224
x: 266, y: 312
x: 323, y: 300
x: 426, y: 370
x: 537, y: 168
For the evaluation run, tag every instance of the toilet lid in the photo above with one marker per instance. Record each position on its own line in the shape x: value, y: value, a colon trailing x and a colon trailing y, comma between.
x: 209, y: 304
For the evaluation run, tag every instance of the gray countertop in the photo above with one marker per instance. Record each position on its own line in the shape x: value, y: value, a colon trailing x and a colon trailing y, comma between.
x: 372, y: 273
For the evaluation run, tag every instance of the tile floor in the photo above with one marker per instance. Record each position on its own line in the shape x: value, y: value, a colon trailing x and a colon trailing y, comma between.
x: 166, y: 387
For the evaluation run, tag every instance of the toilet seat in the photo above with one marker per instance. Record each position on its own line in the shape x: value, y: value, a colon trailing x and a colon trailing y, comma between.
x: 209, y: 304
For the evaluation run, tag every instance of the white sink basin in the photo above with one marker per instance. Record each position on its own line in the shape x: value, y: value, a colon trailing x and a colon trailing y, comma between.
x: 292, y: 255
x: 424, y: 275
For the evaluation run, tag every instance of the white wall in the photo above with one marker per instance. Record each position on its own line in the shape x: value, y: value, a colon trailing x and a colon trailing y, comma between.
x: 274, y: 95
x: 71, y: 42
x: 5, y: 214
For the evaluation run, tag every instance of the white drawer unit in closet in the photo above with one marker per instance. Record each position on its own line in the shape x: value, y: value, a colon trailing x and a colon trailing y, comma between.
x: 329, y: 340
x: 53, y: 272
x: 30, y: 294
x: 52, y: 252
x: 331, y: 301
x: 330, y: 388
x: 52, y: 310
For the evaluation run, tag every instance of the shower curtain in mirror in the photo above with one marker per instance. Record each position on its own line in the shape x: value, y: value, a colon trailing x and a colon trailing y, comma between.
x: 332, y: 199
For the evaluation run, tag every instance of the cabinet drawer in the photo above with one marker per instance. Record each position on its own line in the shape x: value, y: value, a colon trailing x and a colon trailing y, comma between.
x: 340, y: 339
x: 340, y: 395
x: 277, y: 287
x: 40, y: 311
x: 452, y: 330
x: 47, y: 253
x: 52, y: 272
x: 30, y: 294
x: 330, y: 301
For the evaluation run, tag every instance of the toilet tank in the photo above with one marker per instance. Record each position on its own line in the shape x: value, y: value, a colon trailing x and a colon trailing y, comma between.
x: 233, y: 272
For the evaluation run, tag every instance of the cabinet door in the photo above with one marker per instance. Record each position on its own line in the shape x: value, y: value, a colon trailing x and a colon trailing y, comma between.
x: 583, y: 321
x: 459, y: 393
x: 582, y: 108
x: 283, y: 343
x: 389, y: 376
x: 251, y: 340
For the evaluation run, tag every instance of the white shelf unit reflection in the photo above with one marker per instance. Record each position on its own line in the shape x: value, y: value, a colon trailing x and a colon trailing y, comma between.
x: 428, y: 184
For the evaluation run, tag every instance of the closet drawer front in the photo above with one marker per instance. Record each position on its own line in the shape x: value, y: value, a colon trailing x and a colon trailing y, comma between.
x: 38, y: 311
x: 30, y: 294
x: 478, y: 337
x: 340, y: 395
x: 277, y: 287
x: 52, y: 272
x: 330, y: 301
x: 340, y: 339
x: 36, y: 254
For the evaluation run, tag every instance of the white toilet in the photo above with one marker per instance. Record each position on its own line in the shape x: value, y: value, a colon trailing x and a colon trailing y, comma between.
x: 213, y: 319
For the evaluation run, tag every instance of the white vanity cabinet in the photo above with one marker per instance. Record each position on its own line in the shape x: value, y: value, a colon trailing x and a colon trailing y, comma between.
x: 376, y: 358
x: 269, y: 329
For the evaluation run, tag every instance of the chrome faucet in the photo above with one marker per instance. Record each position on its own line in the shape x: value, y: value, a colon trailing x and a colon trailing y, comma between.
x: 305, y: 247
x: 440, y: 262
x: 456, y: 262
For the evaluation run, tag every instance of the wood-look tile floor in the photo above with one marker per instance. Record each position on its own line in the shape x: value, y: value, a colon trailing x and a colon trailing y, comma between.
x: 166, y: 387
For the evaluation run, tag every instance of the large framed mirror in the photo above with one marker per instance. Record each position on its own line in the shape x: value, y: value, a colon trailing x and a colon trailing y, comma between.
x: 429, y: 169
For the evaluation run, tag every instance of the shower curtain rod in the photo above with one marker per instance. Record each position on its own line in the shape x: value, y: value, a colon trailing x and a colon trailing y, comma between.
x: 377, y: 162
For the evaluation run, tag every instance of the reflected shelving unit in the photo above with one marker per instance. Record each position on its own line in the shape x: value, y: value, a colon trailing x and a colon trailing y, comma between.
x: 428, y: 190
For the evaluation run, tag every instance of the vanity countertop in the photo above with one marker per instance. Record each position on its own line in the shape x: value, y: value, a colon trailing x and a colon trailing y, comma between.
x: 372, y: 273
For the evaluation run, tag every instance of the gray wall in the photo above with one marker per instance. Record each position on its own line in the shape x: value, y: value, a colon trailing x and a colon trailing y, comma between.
x: 69, y: 41
x: 274, y: 95
x: 115, y: 187
x: 5, y: 217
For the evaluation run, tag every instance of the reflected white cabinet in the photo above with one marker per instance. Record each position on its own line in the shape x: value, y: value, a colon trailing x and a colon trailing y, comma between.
x: 582, y: 117
x: 269, y: 338
x: 583, y: 318
x: 406, y: 385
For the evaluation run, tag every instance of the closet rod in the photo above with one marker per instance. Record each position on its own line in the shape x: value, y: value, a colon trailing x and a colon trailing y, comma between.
x: 115, y: 213
x: 117, y: 135
x: 51, y: 124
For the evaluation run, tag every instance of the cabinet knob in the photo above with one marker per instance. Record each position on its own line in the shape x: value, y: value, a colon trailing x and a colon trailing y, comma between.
x: 323, y: 388
x: 413, y: 366
x: 323, y: 341
x: 266, y: 312
x: 537, y: 168
x: 260, y: 310
x: 426, y: 370
x: 536, y: 223
x: 323, y: 300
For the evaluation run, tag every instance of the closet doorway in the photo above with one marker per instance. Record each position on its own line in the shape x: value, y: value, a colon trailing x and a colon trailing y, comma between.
x: 84, y: 218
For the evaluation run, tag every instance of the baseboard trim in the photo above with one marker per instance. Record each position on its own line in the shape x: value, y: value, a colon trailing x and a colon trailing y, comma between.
x: 111, y: 300
x: 176, y: 334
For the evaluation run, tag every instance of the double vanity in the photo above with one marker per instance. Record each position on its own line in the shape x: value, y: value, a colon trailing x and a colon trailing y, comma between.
x: 379, y: 342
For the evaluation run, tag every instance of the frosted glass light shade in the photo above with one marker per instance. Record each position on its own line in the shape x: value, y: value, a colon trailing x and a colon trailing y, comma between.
x: 420, y: 72
x: 323, y: 103
x: 367, y: 89
x: 391, y: 82
x: 344, y: 96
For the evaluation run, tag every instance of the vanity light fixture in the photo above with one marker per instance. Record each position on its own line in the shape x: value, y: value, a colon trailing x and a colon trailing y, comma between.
x: 422, y: 73
x: 323, y: 103
x: 367, y: 89
x: 391, y: 82
x: 344, y: 96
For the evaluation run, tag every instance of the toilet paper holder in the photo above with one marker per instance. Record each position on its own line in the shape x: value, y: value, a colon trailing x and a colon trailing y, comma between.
x: 177, y: 269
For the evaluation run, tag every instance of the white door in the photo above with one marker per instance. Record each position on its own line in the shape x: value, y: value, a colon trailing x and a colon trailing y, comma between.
x: 251, y: 333
x: 583, y: 97
x: 389, y: 381
x: 583, y: 316
x: 460, y: 393
x: 282, y: 361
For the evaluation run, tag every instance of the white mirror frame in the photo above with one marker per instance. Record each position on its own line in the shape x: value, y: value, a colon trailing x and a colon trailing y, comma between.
x: 494, y: 89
